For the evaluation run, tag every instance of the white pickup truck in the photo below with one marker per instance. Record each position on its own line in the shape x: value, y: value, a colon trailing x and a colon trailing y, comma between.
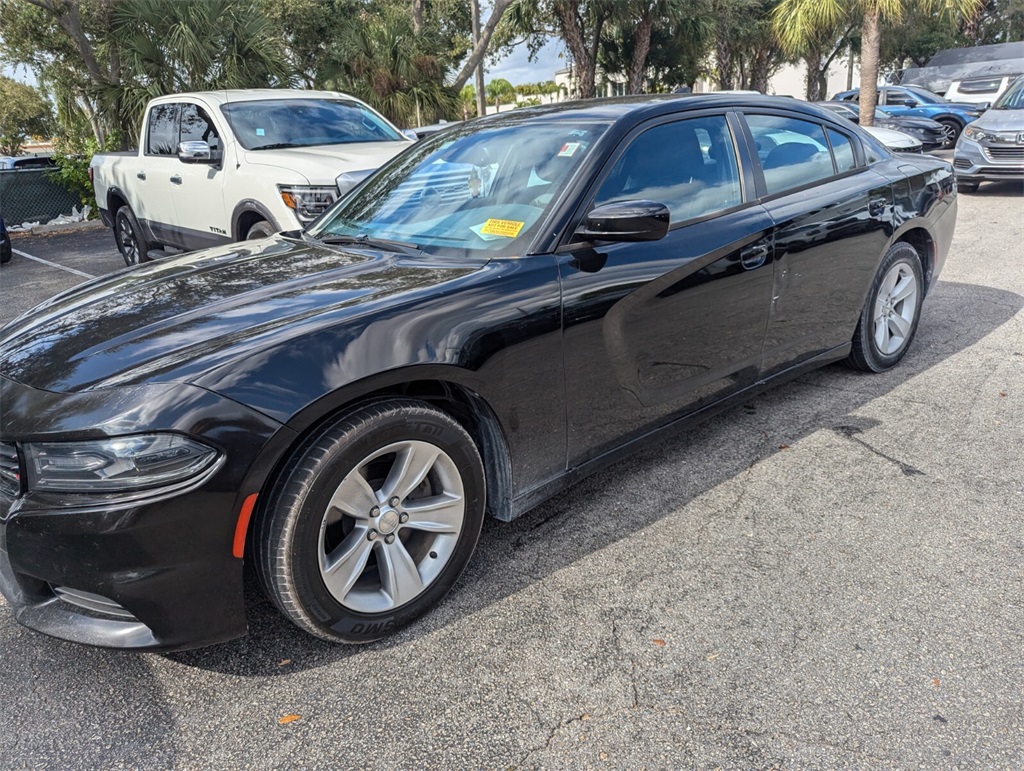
x: 222, y: 166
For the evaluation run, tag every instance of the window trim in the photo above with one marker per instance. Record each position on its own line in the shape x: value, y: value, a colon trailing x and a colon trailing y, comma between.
x: 762, y: 187
x: 586, y: 201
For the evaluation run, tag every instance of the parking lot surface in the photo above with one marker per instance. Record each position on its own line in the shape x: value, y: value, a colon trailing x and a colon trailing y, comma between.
x: 830, y: 576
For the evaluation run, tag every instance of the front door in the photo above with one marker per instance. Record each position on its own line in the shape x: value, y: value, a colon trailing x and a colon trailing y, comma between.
x: 654, y: 330
x: 198, y: 188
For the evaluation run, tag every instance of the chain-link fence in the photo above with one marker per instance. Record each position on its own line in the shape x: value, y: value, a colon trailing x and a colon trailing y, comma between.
x: 29, y: 195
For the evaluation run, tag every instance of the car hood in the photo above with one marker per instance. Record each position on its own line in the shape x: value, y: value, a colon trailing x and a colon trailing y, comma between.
x: 1001, y: 120
x: 918, y: 123
x: 175, y: 320
x: 322, y: 164
x: 891, y: 138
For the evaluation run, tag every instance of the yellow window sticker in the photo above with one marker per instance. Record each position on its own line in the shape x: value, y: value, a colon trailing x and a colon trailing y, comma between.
x: 506, y: 228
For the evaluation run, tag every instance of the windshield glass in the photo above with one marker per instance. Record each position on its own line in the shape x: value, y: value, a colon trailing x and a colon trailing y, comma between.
x: 925, y: 95
x: 279, y: 123
x: 1012, y: 98
x: 477, y: 188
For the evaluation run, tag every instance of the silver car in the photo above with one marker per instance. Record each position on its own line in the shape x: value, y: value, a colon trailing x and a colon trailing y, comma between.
x: 992, y: 147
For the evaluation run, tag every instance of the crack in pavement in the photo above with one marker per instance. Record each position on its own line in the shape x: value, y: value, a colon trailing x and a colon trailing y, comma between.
x: 850, y: 432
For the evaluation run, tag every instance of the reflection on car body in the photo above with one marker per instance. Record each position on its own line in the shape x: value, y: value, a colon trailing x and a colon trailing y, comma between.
x: 500, y: 310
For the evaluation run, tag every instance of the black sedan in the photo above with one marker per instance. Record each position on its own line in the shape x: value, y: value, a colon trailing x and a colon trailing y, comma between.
x: 503, y: 308
x: 930, y: 133
x: 6, y: 250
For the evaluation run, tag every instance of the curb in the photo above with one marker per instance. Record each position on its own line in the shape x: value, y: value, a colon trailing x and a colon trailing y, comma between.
x: 69, y: 227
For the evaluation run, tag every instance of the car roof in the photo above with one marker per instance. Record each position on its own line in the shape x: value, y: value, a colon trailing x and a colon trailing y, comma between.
x: 645, y: 106
x: 225, y: 96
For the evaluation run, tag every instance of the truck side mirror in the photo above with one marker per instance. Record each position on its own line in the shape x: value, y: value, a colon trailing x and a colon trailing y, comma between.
x: 195, y: 152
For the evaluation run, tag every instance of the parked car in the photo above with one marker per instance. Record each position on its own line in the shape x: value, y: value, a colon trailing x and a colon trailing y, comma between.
x: 983, y: 86
x: 6, y: 250
x: 342, y: 406
x: 930, y: 133
x: 222, y: 166
x: 896, y: 141
x: 42, y: 161
x: 921, y: 103
x: 992, y: 148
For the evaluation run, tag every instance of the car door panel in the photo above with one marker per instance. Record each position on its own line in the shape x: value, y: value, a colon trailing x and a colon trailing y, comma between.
x: 660, y: 329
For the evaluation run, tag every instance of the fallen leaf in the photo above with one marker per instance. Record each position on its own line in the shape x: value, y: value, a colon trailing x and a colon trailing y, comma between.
x: 1002, y: 393
x: 284, y: 662
x: 783, y: 446
x: 656, y: 641
x: 291, y: 718
x: 713, y: 656
x: 936, y: 681
x: 603, y: 756
x: 585, y: 716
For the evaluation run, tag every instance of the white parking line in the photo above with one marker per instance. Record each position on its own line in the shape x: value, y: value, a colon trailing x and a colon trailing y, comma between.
x: 53, y: 264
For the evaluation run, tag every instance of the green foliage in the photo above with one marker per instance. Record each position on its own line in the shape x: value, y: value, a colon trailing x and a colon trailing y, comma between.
x: 73, y: 155
x: 499, y: 90
x: 24, y: 113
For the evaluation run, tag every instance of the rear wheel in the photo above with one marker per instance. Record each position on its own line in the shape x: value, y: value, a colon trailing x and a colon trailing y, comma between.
x: 373, y: 521
x: 890, y: 316
x: 130, y: 241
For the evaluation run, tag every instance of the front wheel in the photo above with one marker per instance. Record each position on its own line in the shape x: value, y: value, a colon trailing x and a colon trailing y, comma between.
x: 130, y: 241
x: 372, y: 522
x: 952, y: 130
x: 261, y: 229
x: 890, y: 316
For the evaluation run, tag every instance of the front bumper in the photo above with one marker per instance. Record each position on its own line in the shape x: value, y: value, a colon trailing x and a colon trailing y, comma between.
x: 144, y: 570
x: 988, y: 162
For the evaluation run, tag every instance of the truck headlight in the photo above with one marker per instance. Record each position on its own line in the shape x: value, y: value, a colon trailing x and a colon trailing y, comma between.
x: 119, y: 463
x: 308, y: 202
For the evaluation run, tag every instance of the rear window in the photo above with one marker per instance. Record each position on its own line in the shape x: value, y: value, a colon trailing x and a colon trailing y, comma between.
x: 980, y: 86
x: 162, y: 130
x: 793, y: 152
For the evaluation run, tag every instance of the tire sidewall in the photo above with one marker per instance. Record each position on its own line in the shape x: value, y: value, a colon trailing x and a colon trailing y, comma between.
x: 901, y: 253
x: 261, y: 229
x: 320, y: 605
x: 125, y: 213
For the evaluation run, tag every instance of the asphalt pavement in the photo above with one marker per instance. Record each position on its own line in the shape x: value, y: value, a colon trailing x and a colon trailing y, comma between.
x: 830, y: 576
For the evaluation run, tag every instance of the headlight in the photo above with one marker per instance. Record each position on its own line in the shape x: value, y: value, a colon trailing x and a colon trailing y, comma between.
x: 307, y: 202
x: 972, y: 132
x: 122, y: 463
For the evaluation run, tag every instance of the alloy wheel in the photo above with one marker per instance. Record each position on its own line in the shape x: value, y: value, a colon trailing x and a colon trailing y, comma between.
x: 895, y: 308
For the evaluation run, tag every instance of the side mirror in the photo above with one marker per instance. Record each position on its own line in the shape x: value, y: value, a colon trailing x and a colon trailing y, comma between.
x: 906, y: 102
x: 195, y: 152
x: 626, y: 221
x: 410, y: 134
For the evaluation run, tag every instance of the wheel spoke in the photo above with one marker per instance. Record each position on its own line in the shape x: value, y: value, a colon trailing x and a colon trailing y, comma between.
x: 398, y: 574
x: 882, y: 334
x: 440, y: 514
x: 888, y: 283
x: 354, y: 496
x: 907, y: 287
x: 900, y: 325
x: 343, y: 566
x: 412, y: 464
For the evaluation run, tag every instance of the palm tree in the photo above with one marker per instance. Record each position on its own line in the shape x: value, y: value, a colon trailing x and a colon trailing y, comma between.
x: 799, y: 21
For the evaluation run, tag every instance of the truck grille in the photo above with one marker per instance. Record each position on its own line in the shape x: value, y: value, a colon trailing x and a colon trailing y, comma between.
x: 10, y: 471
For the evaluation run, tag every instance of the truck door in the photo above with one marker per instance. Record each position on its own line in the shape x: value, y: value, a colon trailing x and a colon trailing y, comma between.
x: 198, y: 188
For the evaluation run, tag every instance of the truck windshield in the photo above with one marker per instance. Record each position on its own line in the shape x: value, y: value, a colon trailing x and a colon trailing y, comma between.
x: 1013, y: 98
x: 271, y: 124
x: 479, y: 188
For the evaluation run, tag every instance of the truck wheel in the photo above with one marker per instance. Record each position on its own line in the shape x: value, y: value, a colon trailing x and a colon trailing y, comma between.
x: 261, y: 229
x: 128, y: 234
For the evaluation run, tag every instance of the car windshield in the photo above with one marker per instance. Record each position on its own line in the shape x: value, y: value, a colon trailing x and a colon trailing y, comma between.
x: 925, y: 95
x: 271, y: 124
x: 477, y: 188
x: 1012, y: 98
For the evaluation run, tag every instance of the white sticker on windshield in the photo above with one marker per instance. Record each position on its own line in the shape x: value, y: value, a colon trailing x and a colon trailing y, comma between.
x: 569, y: 149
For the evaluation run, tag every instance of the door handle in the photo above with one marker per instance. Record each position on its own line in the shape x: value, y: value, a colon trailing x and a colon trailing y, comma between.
x: 141, y: 175
x: 176, y: 179
x: 876, y: 207
x: 754, y: 256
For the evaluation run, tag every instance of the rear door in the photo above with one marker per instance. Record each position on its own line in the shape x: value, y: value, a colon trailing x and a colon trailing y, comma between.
x: 832, y: 218
x: 654, y: 330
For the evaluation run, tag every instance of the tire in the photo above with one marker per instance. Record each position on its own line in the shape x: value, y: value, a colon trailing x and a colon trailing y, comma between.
x: 128, y: 235
x: 888, y: 321
x: 952, y: 128
x: 358, y: 571
x: 261, y: 229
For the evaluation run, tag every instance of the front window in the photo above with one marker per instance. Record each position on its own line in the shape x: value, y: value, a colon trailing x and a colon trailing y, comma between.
x: 1012, y: 98
x: 472, y: 189
x: 273, y: 124
x: 924, y: 96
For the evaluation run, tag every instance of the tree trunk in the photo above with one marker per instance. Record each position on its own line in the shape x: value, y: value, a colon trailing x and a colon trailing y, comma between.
x: 641, y: 47
x: 870, y: 35
x: 480, y: 44
x: 724, y: 63
x: 417, y: 17
x: 481, y: 102
x: 584, y: 52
